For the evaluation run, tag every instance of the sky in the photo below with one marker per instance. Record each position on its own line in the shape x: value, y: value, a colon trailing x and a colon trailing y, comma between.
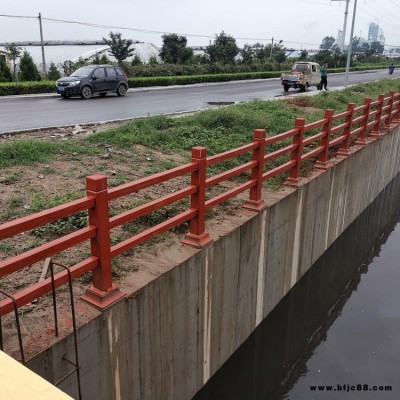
x: 300, y: 24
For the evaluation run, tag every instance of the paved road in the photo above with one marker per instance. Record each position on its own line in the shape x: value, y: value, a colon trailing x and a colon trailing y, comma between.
x: 20, y: 113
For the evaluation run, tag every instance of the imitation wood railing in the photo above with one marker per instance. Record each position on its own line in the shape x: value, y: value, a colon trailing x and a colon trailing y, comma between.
x: 314, y: 141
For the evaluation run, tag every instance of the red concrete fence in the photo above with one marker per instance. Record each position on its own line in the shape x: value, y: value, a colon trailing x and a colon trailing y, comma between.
x: 334, y: 134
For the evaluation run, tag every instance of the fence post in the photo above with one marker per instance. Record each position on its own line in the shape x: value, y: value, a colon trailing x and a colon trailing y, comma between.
x: 322, y: 162
x: 388, y: 115
x: 102, y: 292
x: 362, y: 137
x: 197, y: 236
x: 376, y: 129
x: 255, y: 202
x: 396, y: 115
x: 344, y: 147
x: 294, y: 173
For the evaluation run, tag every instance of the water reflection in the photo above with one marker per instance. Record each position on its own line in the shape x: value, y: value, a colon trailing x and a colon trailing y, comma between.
x: 338, y: 326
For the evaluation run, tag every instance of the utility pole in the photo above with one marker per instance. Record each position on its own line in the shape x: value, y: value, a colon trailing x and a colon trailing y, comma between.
x: 272, y: 46
x: 42, y: 45
x: 346, y: 80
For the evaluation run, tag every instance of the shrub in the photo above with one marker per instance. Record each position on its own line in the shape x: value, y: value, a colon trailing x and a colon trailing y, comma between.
x: 5, y: 73
x: 28, y: 69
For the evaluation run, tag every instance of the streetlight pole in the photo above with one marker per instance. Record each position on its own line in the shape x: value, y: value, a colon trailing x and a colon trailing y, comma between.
x: 346, y: 79
x: 345, y: 24
x: 342, y: 39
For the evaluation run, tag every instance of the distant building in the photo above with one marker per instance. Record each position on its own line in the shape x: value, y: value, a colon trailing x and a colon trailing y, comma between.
x: 5, y: 56
x: 59, y: 51
x: 392, y: 52
x: 340, y: 40
x: 373, y: 32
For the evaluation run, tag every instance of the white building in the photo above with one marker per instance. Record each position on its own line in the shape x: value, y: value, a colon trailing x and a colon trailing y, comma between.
x: 59, y: 51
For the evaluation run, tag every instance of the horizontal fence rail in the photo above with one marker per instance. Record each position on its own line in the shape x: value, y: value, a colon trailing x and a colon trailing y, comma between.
x: 284, y: 153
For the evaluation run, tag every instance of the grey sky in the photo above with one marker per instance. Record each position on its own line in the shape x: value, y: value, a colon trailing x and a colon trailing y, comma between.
x: 299, y: 23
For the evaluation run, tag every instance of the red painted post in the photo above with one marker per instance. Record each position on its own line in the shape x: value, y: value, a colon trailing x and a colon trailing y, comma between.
x: 344, y: 147
x: 294, y: 173
x: 362, y: 137
x: 103, y: 292
x: 197, y: 236
x: 388, y: 115
x: 255, y: 202
x: 396, y: 115
x: 322, y: 162
x: 376, y: 129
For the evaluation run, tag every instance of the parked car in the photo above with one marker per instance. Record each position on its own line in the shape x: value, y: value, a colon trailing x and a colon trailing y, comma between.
x: 91, y: 79
x: 303, y: 75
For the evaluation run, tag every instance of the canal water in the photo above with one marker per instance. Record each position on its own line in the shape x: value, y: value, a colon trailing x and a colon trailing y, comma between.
x: 336, y: 335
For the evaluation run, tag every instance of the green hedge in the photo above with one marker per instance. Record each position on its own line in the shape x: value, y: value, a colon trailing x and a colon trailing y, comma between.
x: 188, y: 80
x: 14, y: 88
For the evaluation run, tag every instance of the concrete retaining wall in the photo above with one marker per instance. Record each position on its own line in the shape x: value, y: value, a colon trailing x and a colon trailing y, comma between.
x: 169, y: 338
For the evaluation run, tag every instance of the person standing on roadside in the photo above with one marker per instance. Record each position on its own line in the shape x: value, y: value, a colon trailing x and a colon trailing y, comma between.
x: 324, y: 76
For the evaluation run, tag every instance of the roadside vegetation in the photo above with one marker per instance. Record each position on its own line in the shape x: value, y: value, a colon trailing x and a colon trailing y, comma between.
x: 217, y: 129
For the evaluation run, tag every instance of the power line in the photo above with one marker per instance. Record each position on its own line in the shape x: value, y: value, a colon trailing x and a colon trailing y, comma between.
x: 148, y: 31
x: 394, y: 3
x: 390, y: 18
x: 18, y: 16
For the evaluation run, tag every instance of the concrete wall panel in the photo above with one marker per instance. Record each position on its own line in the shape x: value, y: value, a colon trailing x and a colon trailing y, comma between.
x: 223, y: 274
x: 249, y: 253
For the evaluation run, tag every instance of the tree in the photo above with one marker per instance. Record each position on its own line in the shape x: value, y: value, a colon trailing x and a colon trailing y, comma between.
x: 136, y: 60
x: 355, y: 47
x: 260, y: 51
x: 174, y: 49
x: 15, y: 52
x: 5, y: 73
x: 100, y: 60
x: 272, y: 49
x: 80, y: 63
x: 53, y: 74
x: 327, y: 43
x: 153, y: 60
x: 28, y: 69
x: 338, y: 57
x: 377, y: 47
x: 303, y: 55
x: 247, y: 54
x: 224, y: 49
x: 68, y: 67
x: 323, y: 56
x: 119, y: 48
x: 280, y: 57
